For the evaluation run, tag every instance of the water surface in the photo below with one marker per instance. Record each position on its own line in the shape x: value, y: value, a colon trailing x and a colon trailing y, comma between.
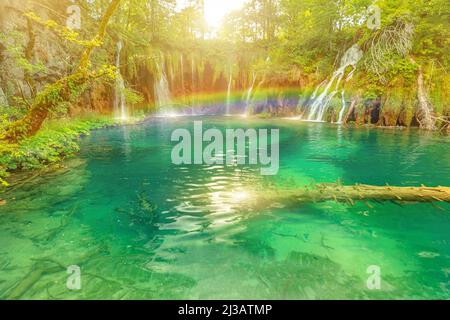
x: 142, y: 228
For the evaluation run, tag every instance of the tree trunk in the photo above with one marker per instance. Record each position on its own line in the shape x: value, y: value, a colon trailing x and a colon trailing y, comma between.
x: 352, y: 108
x: 348, y: 194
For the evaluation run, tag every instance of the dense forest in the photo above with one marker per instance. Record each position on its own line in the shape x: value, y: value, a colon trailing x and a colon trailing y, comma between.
x: 382, y: 63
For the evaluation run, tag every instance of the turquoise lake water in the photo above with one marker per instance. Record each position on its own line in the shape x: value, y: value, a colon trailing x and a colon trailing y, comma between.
x: 141, y: 228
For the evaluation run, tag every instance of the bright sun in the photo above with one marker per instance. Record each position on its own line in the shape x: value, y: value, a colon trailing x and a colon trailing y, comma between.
x: 216, y: 10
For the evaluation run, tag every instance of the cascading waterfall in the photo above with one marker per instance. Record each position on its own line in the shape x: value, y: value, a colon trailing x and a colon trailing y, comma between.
x: 120, y: 106
x: 320, y: 105
x: 230, y: 82
x: 314, y: 95
x: 162, y: 92
x: 344, y: 106
x: 249, y: 95
x: 300, y: 104
x: 172, y: 75
x: 193, y: 85
x: 182, y: 74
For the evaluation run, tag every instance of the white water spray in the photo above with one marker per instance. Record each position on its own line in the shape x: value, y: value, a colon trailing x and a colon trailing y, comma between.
x: 249, y: 95
x: 193, y: 85
x: 162, y: 92
x: 230, y: 83
x: 320, y: 105
x: 120, y: 107
x: 182, y: 74
x: 344, y: 106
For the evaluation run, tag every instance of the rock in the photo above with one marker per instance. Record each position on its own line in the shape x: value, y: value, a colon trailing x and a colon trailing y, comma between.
x: 3, y: 100
x: 428, y: 255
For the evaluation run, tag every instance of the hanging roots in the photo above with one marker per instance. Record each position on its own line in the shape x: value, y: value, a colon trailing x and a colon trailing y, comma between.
x: 395, y: 39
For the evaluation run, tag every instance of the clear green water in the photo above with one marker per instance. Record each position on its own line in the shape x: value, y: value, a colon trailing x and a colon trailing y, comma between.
x: 141, y: 228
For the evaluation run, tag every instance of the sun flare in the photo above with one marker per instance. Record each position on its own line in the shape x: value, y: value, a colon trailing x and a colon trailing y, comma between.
x: 216, y: 10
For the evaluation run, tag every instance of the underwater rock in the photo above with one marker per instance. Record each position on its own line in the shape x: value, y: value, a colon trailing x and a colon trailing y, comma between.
x: 141, y: 213
x: 324, y: 277
x: 428, y: 255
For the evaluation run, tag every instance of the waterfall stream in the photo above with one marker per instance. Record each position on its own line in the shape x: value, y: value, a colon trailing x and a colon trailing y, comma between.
x: 230, y: 83
x: 183, y: 89
x: 162, y: 93
x: 249, y: 95
x: 341, y: 113
x: 193, y: 69
x: 320, y: 104
x: 120, y: 106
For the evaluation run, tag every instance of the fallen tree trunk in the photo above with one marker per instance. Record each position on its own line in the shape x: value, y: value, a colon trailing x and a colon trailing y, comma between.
x: 351, y: 194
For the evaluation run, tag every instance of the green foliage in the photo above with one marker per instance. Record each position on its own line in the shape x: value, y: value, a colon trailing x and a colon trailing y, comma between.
x: 133, y: 97
x: 56, y: 140
x: 9, y: 112
x: 405, y: 69
x: 13, y: 42
x: 64, y: 32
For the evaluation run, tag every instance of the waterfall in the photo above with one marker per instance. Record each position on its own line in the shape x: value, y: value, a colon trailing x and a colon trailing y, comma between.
x: 314, y: 95
x: 120, y: 107
x: 172, y: 75
x: 162, y: 92
x: 230, y: 82
x: 344, y: 105
x: 320, y: 105
x: 300, y: 104
x: 182, y: 74
x: 193, y: 85
x: 249, y: 95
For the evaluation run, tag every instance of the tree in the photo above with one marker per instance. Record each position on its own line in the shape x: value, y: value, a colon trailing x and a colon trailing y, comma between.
x: 64, y: 90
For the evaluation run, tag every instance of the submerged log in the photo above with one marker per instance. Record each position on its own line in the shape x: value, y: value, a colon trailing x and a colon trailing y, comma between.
x: 350, y: 194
